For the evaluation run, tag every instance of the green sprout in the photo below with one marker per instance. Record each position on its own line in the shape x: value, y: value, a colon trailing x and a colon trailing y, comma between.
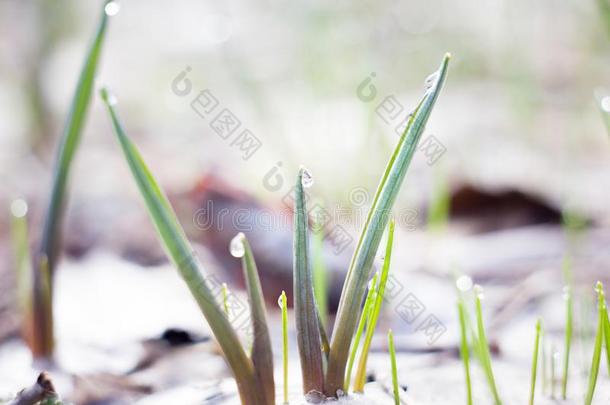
x: 23, y: 261
x: 535, y: 362
x: 483, y: 347
x: 360, y: 269
x: 464, y: 352
x: 309, y: 340
x: 599, y: 338
x: 42, y: 343
x: 392, y: 350
x: 376, y: 310
x: 283, y: 302
x: 323, y: 364
x: 364, y: 317
x: 249, y: 381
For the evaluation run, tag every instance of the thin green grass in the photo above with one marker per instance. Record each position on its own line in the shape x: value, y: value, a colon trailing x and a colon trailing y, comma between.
x: 483, y: 348
x: 535, y: 357
x: 283, y: 302
x: 394, y: 369
x: 376, y: 310
x: 599, y: 338
x: 45, y: 260
x: 464, y: 352
x: 364, y: 317
x: 22, y: 258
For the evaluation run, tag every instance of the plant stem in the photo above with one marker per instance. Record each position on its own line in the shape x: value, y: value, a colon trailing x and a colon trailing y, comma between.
x: 284, y: 307
x: 374, y: 316
x: 535, y: 362
x: 597, y: 349
x: 394, y: 368
x: 464, y: 350
x: 484, y: 351
x: 45, y: 260
x: 368, y: 305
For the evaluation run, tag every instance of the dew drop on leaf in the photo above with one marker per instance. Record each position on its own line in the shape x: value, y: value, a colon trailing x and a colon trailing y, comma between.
x: 463, y: 283
x: 112, y: 8
x: 306, y: 178
x: 236, y: 246
x: 19, y: 208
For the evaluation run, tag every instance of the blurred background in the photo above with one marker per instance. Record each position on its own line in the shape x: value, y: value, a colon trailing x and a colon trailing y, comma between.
x: 512, y: 176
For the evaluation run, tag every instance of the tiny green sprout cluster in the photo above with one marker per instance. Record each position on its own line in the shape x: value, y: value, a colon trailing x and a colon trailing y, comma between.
x: 323, y: 363
x: 480, y: 348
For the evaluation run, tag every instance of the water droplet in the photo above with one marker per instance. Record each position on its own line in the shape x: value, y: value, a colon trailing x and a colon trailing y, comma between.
x: 112, y: 8
x: 605, y: 104
x: 430, y: 80
x: 19, y: 208
x: 478, y: 290
x: 340, y: 393
x: 280, y: 300
x: 306, y: 178
x: 237, y: 247
x: 566, y: 292
x: 463, y: 283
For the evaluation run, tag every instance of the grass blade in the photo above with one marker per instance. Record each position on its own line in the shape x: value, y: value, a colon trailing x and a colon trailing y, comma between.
x: 360, y: 268
x: 392, y: 350
x: 464, y: 352
x: 484, y: 348
x: 49, y: 248
x: 283, y: 302
x: 262, y: 355
x: 23, y: 260
x: 607, y: 339
x: 308, y: 328
x: 181, y: 253
x: 597, y: 349
x: 366, y: 311
x: 535, y: 362
x: 370, y: 330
